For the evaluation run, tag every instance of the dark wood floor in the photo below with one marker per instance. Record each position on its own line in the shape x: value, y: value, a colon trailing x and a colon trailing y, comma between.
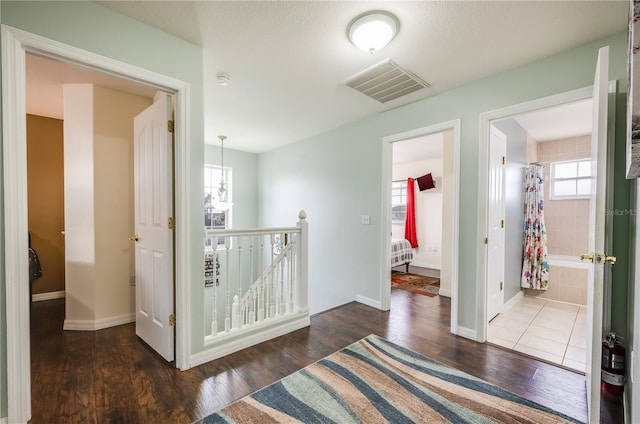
x: 109, y: 376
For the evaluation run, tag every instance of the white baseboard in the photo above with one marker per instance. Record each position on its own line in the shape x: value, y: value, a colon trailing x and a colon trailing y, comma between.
x: 515, y: 299
x: 39, y: 297
x: 236, y: 340
x: 93, y: 325
x: 4, y: 420
x: 466, y: 333
x: 369, y: 302
x: 426, y: 265
x: 445, y: 293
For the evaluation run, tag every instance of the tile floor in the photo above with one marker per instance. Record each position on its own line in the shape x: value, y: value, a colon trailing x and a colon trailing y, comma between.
x: 553, y: 331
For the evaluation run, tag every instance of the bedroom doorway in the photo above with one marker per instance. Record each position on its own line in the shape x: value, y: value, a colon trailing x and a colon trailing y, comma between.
x: 20, y: 43
x: 430, y: 150
x: 416, y: 219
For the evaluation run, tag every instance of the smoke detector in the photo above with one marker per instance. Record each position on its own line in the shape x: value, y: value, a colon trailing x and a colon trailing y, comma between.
x: 223, y: 79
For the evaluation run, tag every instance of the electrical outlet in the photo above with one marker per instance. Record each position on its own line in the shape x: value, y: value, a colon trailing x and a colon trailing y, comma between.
x: 366, y: 220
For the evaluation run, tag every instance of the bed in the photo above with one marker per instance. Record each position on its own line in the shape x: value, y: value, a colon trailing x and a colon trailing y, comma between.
x: 401, y: 253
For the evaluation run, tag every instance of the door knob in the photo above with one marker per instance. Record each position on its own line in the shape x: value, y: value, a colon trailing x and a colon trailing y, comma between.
x: 610, y: 259
x: 134, y: 237
x: 586, y: 256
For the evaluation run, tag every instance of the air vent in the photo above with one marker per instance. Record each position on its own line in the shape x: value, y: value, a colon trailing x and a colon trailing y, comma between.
x: 386, y: 81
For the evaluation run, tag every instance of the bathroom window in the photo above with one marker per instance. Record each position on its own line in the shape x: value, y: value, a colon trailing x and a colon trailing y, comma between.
x: 571, y: 179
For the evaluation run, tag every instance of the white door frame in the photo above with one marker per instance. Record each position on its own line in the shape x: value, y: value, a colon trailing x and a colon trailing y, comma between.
x: 385, y: 237
x: 483, y: 175
x: 15, y: 45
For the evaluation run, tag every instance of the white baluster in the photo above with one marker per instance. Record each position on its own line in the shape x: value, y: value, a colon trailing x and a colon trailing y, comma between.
x: 236, y: 313
x: 227, y: 312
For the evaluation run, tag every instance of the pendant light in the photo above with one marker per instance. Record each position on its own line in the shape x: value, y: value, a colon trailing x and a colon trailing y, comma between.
x: 222, y: 202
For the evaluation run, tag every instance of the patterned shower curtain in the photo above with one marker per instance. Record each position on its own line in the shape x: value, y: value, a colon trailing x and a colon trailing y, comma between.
x: 535, y: 268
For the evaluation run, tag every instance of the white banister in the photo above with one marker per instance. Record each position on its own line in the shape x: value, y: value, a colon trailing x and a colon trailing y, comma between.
x: 265, y: 289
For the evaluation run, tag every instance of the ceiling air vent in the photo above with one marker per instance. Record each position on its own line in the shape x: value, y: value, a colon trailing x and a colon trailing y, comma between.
x: 386, y: 81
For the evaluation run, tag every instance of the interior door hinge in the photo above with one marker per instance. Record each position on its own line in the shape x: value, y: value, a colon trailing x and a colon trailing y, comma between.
x: 500, y: 285
x: 172, y: 223
x: 170, y: 126
x: 504, y: 160
x: 486, y: 240
x: 172, y: 320
x: 502, y: 223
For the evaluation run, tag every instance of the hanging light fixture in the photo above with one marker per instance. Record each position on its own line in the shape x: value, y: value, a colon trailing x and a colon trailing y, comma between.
x: 373, y: 30
x: 222, y: 202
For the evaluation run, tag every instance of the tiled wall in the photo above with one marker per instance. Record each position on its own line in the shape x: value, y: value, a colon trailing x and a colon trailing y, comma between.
x: 567, y: 223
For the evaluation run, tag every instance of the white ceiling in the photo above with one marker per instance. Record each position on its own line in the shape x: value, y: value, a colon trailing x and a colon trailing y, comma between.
x: 570, y: 120
x: 418, y: 149
x: 287, y: 60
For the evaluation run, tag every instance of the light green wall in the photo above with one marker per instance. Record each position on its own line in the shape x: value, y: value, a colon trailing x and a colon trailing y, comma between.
x: 245, y: 183
x: 336, y: 177
x: 94, y: 28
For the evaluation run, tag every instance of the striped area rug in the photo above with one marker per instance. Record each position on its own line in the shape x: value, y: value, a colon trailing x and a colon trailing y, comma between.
x: 377, y: 381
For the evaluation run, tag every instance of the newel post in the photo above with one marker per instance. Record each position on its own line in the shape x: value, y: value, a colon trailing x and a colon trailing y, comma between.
x: 302, y: 291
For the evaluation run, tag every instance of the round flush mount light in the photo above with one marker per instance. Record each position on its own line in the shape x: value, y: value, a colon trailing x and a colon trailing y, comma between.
x: 373, y: 30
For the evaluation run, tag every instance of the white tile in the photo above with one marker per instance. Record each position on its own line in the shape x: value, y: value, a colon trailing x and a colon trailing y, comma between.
x: 559, y: 306
x: 532, y: 302
x: 505, y: 333
x: 553, y: 322
x: 578, y: 339
x: 542, y: 344
x: 501, y: 342
x: 538, y: 353
x: 560, y: 335
x: 519, y: 315
x: 501, y: 321
x: 574, y: 365
x: 576, y: 354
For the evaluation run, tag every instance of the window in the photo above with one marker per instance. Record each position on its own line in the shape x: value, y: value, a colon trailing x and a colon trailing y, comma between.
x: 398, y: 201
x: 215, y: 219
x: 571, y: 179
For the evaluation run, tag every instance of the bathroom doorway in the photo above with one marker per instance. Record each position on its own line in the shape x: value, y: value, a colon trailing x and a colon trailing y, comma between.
x: 547, y: 322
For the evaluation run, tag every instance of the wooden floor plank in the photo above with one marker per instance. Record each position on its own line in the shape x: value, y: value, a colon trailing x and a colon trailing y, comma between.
x: 110, y: 376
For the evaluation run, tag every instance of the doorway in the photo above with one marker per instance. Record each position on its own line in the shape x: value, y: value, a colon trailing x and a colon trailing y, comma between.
x: 449, y: 133
x: 547, y: 322
x: 17, y: 44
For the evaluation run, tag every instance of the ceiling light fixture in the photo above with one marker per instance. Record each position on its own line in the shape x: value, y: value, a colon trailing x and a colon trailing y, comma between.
x: 373, y: 30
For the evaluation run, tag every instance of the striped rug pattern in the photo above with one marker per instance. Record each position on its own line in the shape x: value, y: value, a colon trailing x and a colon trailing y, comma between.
x: 377, y: 381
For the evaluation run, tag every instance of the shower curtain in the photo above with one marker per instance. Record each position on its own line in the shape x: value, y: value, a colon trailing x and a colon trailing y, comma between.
x: 535, y: 268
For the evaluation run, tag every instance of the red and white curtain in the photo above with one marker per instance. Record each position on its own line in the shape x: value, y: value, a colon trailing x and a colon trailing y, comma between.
x: 535, y: 266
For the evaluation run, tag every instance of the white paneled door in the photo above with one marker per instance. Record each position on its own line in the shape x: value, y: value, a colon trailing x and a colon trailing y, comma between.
x: 153, y: 238
x: 597, y: 256
x: 495, y: 237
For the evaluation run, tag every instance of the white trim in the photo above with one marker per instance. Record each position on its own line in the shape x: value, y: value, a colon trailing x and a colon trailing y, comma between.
x: 485, y: 119
x: 258, y: 334
x: 368, y: 301
x: 15, y: 44
x: 445, y: 293
x: 385, y: 236
x: 567, y: 262
x: 40, y: 297
x: 98, y: 324
x: 468, y: 333
x: 425, y: 265
x: 511, y: 302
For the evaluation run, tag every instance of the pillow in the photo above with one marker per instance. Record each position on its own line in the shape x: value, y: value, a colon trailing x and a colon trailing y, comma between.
x: 426, y: 182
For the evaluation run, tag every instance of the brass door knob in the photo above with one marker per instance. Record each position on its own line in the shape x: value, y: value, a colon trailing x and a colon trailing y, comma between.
x: 610, y: 259
x: 586, y: 256
x: 134, y: 237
